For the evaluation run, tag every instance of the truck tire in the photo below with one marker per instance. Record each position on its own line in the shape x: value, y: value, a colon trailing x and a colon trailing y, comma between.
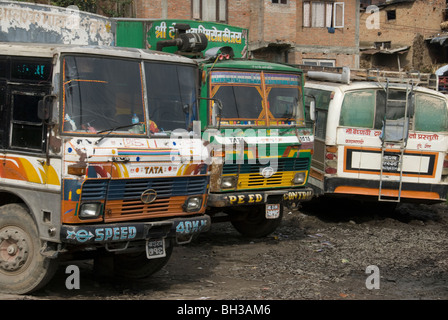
x: 255, y: 224
x: 22, y: 268
x: 137, y: 266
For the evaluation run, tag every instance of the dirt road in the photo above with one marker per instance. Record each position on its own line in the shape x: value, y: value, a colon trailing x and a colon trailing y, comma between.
x: 319, y: 252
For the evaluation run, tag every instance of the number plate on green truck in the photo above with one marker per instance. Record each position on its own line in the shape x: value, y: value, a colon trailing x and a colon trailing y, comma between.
x: 272, y: 211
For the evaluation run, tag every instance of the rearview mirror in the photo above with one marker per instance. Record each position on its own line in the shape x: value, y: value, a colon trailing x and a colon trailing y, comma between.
x: 313, y: 110
x: 216, y: 108
x: 45, y: 107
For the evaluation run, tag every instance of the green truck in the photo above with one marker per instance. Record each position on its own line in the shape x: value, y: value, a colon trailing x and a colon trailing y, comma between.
x: 252, y: 120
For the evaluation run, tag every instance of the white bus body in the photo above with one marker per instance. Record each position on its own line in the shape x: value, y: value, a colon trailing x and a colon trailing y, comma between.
x: 353, y: 155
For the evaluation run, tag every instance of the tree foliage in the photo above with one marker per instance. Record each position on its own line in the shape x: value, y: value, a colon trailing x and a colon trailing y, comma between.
x: 83, y: 5
x: 111, y: 8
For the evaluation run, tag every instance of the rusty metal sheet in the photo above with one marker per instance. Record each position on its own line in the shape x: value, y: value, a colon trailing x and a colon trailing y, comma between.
x: 29, y: 22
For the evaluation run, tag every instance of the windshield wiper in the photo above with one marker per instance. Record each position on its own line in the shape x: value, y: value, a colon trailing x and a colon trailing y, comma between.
x: 113, y: 129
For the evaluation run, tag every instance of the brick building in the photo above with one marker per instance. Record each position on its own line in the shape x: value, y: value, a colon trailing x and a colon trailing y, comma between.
x: 395, y: 34
x: 324, y: 32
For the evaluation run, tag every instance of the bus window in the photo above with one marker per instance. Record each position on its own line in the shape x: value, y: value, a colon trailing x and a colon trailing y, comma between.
x: 358, y: 109
x: 430, y: 113
x: 3, y: 118
x: 322, y: 98
x: 27, y: 128
x: 3, y: 68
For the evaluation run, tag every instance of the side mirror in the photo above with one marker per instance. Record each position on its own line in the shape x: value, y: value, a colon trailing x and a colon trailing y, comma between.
x: 216, y: 108
x: 217, y: 113
x: 45, y: 107
x: 313, y: 109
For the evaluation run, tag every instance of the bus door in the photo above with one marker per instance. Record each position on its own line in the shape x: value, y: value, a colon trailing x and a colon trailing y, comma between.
x: 321, y: 155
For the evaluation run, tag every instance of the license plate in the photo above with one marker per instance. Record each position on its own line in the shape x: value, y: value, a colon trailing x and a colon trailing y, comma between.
x: 155, y: 248
x: 391, y: 163
x: 272, y: 211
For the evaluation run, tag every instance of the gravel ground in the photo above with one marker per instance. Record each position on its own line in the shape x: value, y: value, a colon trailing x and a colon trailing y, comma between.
x: 322, y: 251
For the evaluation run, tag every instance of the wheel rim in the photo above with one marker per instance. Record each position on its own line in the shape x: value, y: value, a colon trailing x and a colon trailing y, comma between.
x: 14, y: 249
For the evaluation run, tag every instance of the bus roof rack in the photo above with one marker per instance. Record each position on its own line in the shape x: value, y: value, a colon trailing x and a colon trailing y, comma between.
x: 340, y: 74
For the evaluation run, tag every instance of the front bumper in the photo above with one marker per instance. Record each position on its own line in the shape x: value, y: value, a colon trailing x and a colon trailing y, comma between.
x: 287, y: 196
x: 178, y: 228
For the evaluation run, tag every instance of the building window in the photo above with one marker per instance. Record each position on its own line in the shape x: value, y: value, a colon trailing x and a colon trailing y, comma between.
x: 323, y: 14
x: 391, y: 15
x: 210, y: 10
x: 319, y: 62
x: 280, y: 1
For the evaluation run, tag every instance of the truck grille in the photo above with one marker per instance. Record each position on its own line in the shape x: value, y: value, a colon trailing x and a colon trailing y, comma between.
x: 250, y: 178
x: 123, y: 196
x: 283, y: 164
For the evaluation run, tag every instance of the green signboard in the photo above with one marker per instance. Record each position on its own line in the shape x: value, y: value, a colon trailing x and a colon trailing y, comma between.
x: 146, y: 33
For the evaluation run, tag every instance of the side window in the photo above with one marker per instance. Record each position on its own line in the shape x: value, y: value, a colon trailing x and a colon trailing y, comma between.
x: 4, y: 68
x: 430, y: 113
x: 23, y: 83
x: 323, y: 14
x: 209, y: 10
x: 395, y: 107
x: 322, y: 99
x: 26, y: 127
x: 358, y: 109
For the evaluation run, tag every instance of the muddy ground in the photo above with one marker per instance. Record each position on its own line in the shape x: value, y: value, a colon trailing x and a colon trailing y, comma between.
x: 320, y: 252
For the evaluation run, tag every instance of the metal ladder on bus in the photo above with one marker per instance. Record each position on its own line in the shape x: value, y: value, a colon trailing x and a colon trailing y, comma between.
x: 401, y: 142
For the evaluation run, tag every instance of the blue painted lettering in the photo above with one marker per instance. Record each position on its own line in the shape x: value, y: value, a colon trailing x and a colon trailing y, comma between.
x: 99, y: 233
x: 190, y: 226
x: 115, y: 233
x: 108, y: 234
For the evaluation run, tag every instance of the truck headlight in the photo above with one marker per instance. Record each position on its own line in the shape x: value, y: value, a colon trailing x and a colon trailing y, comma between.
x: 90, y: 210
x: 299, y: 178
x: 193, y: 204
x: 228, y: 182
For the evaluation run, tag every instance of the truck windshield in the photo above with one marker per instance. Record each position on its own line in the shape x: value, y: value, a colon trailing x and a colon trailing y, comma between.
x: 101, y: 95
x: 172, y: 96
x: 246, y: 101
x: 240, y: 102
x: 285, y: 105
